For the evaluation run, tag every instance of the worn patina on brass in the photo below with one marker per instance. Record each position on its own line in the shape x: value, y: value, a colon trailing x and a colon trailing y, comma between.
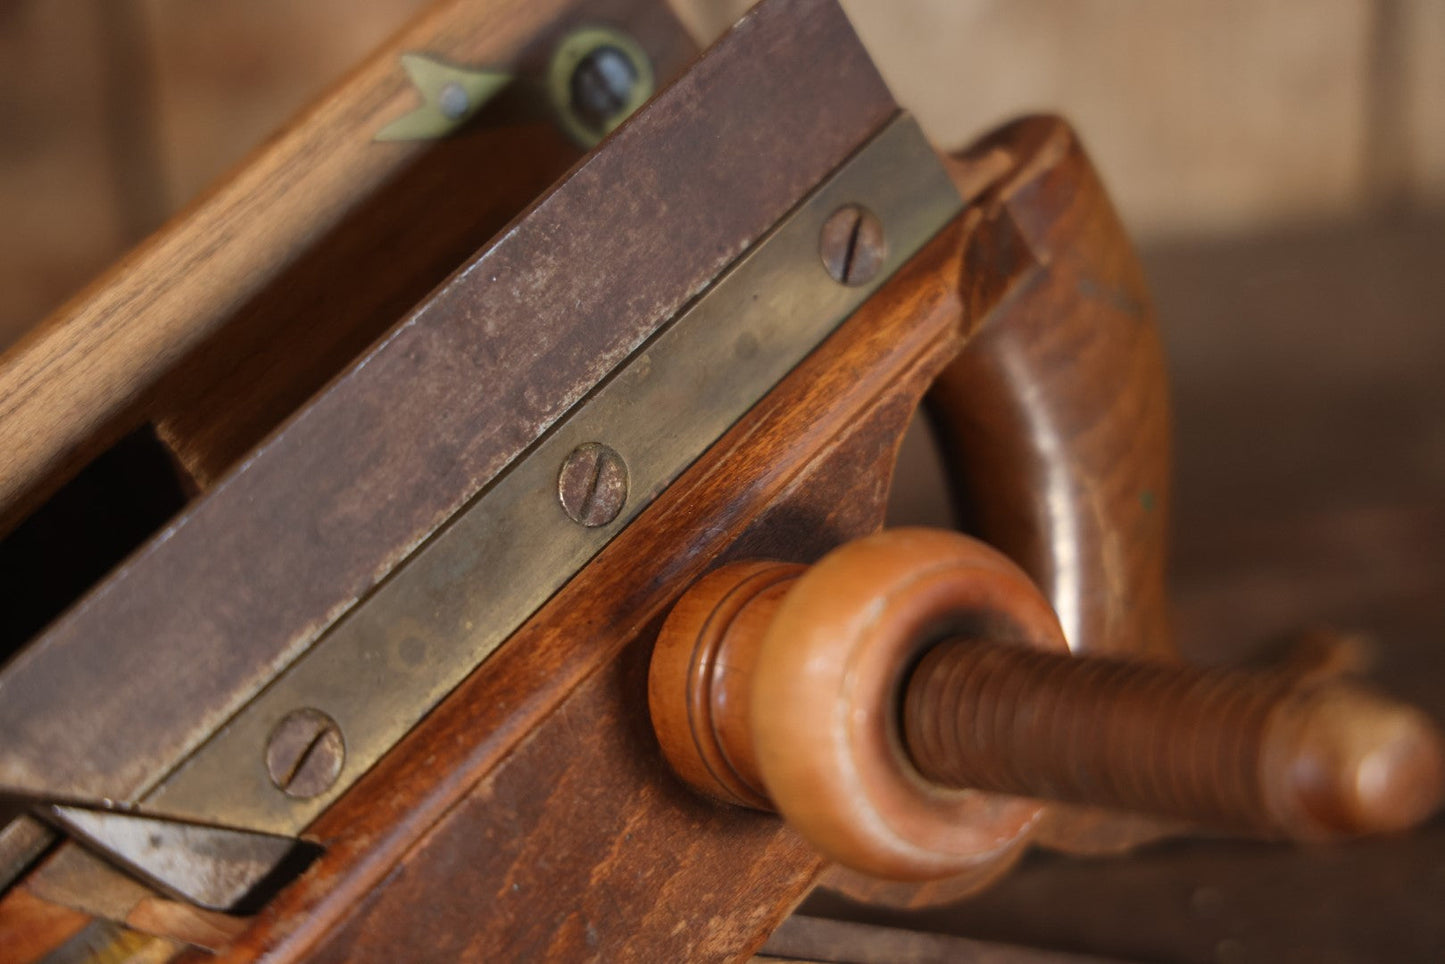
x: 596, y: 78
x: 119, y: 690
x: 451, y: 96
x: 182, y: 637
x: 398, y: 653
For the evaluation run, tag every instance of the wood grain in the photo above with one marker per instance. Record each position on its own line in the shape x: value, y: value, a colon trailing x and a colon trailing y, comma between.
x: 253, y: 259
x: 1311, y: 461
x: 1056, y: 415
x: 33, y: 927
x: 400, y: 442
x: 806, y: 683
x: 532, y: 811
x: 63, y: 221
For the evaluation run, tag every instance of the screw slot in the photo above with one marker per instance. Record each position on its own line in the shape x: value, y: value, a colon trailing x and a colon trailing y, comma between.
x: 592, y: 484
x: 852, y: 245
x: 304, y: 753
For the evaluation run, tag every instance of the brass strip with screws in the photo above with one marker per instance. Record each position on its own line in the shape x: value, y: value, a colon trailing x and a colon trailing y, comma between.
x: 596, y: 79
x: 462, y: 594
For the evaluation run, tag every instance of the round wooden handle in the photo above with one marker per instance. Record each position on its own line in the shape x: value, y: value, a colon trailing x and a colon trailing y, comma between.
x: 906, y: 700
x: 779, y: 687
x: 1054, y: 419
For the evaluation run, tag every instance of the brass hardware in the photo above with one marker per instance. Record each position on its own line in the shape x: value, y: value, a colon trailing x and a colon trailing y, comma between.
x: 451, y: 96
x: 402, y: 649
x: 596, y: 79
x: 852, y: 245
x: 598, y: 76
x: 304, y: 753
x: 592, y: 485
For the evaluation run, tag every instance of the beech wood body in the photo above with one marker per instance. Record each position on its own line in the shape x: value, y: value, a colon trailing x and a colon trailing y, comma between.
x: 539, y: 768
x: 532, y: 813
x: 1055, y: 418
x: 541, y: 771
x: 217, y: 326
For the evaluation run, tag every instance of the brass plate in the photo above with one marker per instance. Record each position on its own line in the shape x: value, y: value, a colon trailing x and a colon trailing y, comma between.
x: 397, y: 654
x: 451, y: 96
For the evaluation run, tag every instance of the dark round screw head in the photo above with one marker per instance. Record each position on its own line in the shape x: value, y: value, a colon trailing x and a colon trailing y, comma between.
x: 852, y: 245
x: 592, y: 485
x: 602, y: 85
x: 304, y: 753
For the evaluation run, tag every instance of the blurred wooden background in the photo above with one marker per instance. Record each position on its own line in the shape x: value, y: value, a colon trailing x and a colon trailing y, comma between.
x: 1282, y: 163
x: 1206, y: 116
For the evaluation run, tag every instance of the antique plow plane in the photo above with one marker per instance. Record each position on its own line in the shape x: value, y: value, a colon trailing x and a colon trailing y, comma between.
x: 489, y: 506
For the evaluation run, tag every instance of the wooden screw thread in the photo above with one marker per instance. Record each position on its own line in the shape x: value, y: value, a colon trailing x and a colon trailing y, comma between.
x: 1224, y: 748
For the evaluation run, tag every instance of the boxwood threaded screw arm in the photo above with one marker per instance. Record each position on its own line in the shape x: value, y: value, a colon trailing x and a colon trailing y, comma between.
x: 908, y: 703
x: 1230, y: 749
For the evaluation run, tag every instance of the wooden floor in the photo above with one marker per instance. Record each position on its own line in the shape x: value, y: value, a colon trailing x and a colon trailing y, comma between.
x: 1310, y: 402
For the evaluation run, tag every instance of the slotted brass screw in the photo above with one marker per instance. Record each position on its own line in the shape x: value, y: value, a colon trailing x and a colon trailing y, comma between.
x: 852, y: 245
x: 592, y: 484
x: 304, y: 753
